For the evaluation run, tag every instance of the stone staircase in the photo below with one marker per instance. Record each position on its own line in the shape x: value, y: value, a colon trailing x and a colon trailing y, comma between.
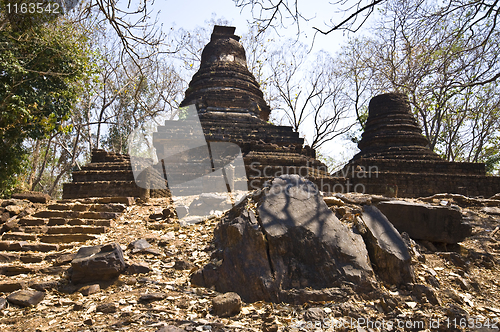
x: 42, y: 243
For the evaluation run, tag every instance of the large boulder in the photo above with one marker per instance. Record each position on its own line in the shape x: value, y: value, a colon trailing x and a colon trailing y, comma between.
x: 290, y: 240
x: 97, y: 263
x: 426, y: 222
x: 387, y: 250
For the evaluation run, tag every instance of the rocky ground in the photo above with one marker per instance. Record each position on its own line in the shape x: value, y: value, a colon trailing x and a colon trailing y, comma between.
x: 457, y: 286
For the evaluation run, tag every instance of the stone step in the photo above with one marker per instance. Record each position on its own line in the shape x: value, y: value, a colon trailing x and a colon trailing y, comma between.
x: 16, y: 269
x: 7, y: 257
x: 108, y: 166
x: 53, y: 214
x: 101, y: 189
x: 100, y: 200
x: 30, y: 221
x: 12, y: 270
x: 35, y: 229
x: 19, y: 236
x: 66, y: 238
x: 57, y: 221
x: 69, y: 206
x: 31, y: 258
x: 103, y: 175
x: 90, y: 222
x: 96, y: 215
x: 27, y: 246
x: 77, y: 230
x: 75, y: 214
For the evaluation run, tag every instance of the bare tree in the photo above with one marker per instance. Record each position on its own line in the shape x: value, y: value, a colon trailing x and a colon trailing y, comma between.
x: 443, y: 73
x: 310, y: 93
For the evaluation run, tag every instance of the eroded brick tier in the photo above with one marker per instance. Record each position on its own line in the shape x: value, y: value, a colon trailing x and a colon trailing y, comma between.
x: 223, y: 80
x: 395, y: 158
x: 107, y: 175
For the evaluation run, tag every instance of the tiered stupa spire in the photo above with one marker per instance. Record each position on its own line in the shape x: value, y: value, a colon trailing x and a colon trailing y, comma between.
x: 223, y: 80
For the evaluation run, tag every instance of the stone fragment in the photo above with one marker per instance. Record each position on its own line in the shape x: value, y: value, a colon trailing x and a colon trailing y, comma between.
x: 14, y: 209
x: 426, y: 222
x: 314, y: 315
x: 226, y: 305
x: 31, y: 258
x: 429, y: 292
x: 4, y: 216
x: 170, y: 328
x: 296, y: 242
x: 8, y: 257
x: 64, y: 259
x: 151, y: 297
x: 139, y: 245
x: 333, y: 201
x: 168, y: 213
x: 387, y: 250
x: 54, y: 269
x: 33, y: 196
x: 44, y: 286
x: 107, y: 308
x: 491, y: 210
x: 3, y: 303
x: 78, y: 306
x: 97, y: 263
x: 26, y: 298
x: 183, y: 265
x: 90, y: 289
x: 10, y: 286
x: 138, y: 267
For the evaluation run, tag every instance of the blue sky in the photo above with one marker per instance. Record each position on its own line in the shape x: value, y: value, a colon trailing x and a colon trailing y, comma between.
x: 191, y: 13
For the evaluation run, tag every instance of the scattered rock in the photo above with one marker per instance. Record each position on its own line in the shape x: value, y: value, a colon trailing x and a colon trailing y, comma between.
x: 150, y: 297
x: 3, y: 303
x: 226, y: 305
x: 97, y: 263
x: 78, y: 306
x: 333, y: 201
x: 14, y: 209
x: 33, y: 196
x: 183, y: 265
x: 170, y: 328
x: 138, y: 267
x: 295, y: 242
x: 44, y: 286
x: 151, y: 251
x: 64, y: 259
x: 314, y: 315
x: 139, y: 245
x: 168, y: 213
x: 387, y: 250
x: 156, y: 216
x: 426, y: 222
x: 107, y: 308
x: 90, y: 289
x: 26, y: 298
x: 491, y: 210
x: 430, y: 293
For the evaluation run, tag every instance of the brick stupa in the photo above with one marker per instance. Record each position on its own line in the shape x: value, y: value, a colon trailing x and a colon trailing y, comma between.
x: 395, y: 159
x: 231, y: 108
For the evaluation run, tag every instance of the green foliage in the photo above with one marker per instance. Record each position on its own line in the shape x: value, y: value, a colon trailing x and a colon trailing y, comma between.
x: 41, y: 66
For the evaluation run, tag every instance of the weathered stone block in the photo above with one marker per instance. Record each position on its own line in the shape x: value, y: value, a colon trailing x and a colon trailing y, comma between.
x: 426, y: 222
x: 97, y: 263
